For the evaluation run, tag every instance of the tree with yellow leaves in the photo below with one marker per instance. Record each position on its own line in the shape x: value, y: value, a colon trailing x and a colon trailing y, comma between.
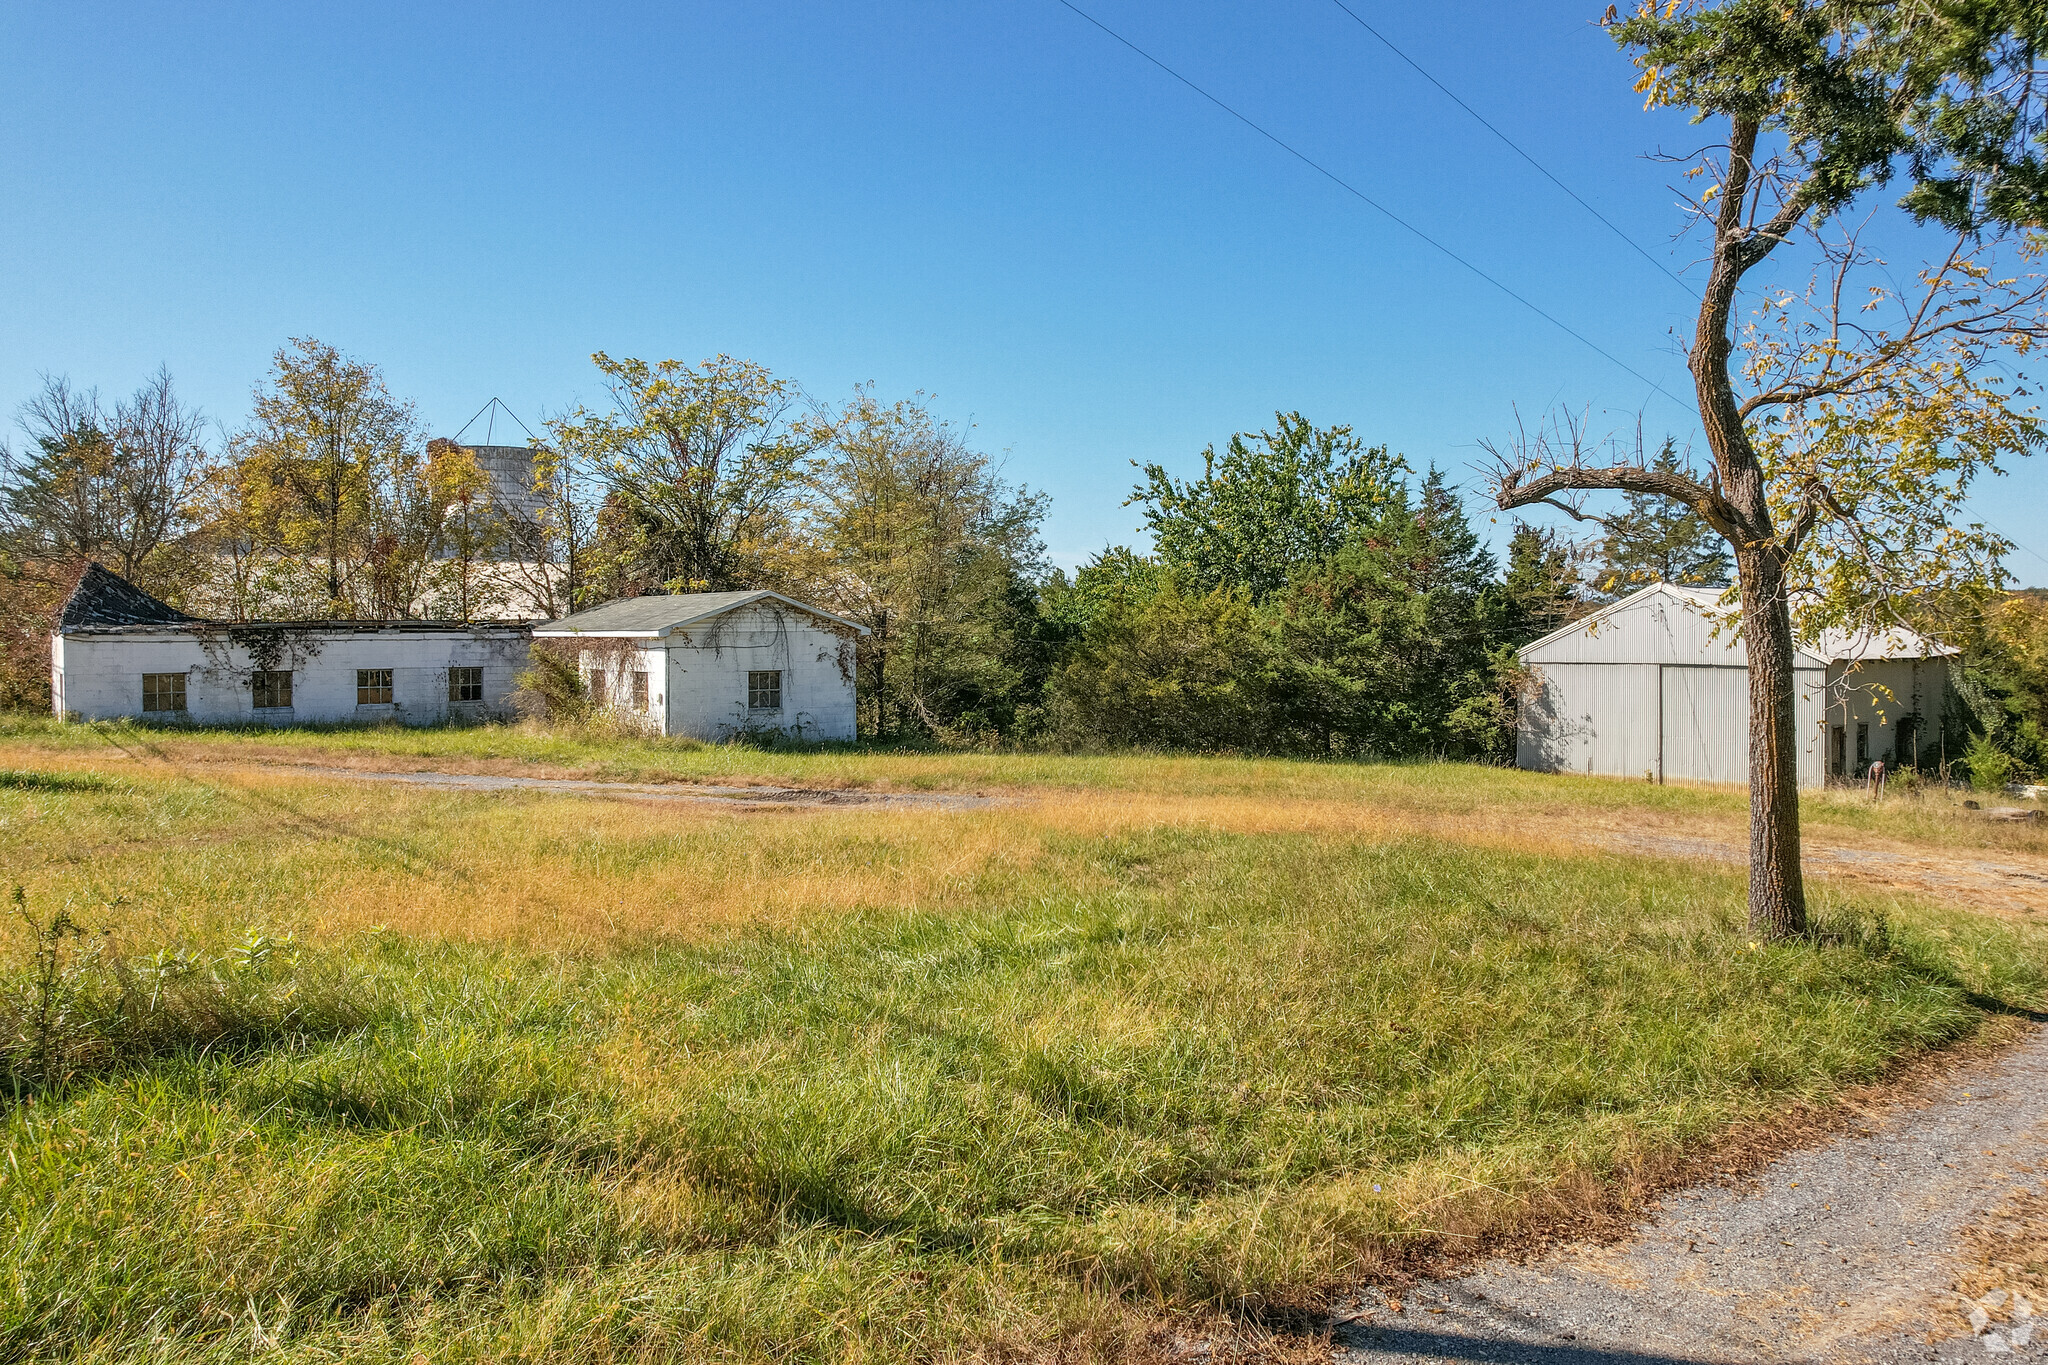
x: 701, y: 465
x: 1847, y: 421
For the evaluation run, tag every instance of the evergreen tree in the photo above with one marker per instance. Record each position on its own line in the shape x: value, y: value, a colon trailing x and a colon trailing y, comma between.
x: 1391, y: 645
x: 1657, y: 540
x: 1542, y: 590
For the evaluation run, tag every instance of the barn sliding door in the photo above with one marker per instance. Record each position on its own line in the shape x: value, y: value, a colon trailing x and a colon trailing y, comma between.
x: 1705, y: 723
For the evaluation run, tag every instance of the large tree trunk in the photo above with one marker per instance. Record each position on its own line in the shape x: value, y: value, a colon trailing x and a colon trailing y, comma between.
x: 1777, y: 892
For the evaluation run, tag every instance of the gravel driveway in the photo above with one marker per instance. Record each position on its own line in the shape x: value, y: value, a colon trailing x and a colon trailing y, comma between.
x: 2011, y: 883
x: 1847, y: 1252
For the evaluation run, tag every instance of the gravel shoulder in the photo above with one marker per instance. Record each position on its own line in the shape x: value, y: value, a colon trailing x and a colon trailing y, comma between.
x: 1849, y: 1252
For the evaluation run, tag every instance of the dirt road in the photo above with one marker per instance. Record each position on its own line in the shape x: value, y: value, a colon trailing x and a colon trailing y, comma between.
x: 2007, y: 883
x: 691, y: 792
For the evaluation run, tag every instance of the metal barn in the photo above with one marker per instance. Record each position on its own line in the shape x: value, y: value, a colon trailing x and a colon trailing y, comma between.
x: 1656, y: 686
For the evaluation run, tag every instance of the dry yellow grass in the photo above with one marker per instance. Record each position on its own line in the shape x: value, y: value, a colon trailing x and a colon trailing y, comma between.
x: 332, y: 857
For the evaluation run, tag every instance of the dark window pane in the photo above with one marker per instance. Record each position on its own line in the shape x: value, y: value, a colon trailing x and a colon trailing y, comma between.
x: 764, y: 690
x: 272, y: 688
x: 465, y: 684
x: 163, y: 691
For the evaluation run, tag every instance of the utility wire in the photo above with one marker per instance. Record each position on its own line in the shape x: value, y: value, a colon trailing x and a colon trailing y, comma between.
x: 1515, y: 147
x: 2010, y: 541
x: 1388, y: 213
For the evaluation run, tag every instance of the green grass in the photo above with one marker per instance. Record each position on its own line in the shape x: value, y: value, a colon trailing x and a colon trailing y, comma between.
x: 967, y: 1084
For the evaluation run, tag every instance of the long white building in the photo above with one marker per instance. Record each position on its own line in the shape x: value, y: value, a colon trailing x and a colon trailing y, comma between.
x: 118, y: 651
x: 707, y: 665
x: 1657, y: 686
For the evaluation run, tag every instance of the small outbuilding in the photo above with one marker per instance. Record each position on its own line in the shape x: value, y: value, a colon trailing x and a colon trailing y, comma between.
x: 712, y: 665
x: 118, y: 651
x: 1657, y: 686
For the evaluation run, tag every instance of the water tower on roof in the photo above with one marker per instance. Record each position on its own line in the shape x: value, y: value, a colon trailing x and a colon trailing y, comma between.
x: 509, y: 467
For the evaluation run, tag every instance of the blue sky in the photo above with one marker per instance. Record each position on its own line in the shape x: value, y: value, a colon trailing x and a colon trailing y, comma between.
x: 989, y: 201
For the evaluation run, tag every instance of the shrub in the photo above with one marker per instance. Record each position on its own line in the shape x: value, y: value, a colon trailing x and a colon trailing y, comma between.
x: 81, y: 1009
x: 1990, y: 767
x: 551, y: 687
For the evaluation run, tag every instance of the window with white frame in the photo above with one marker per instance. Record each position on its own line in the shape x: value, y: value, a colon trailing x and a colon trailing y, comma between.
x: 764, y: 689
x: 373, y: 687
x: 465, y: 684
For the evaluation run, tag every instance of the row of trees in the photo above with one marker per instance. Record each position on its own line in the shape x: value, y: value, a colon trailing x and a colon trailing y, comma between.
x: 1306, y: 593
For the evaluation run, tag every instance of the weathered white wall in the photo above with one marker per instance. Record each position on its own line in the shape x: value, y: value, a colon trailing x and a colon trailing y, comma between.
x: 618, y: 663
x: 1880, y: 693
x: 99, y: 676
x: 708, y: 667
x: 1653, y: 690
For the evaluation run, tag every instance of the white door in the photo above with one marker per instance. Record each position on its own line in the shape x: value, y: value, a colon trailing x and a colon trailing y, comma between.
x: 1706, y: 723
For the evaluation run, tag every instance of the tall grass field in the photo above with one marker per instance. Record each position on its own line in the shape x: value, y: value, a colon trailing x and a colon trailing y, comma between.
x: 304, y: 1068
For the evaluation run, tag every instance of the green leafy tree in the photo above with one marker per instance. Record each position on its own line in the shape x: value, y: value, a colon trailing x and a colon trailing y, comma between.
x: 916, y: 535
x: 2003, y: 682
x: 1272, y: 504
x: 1069, y: 608
x: 328, y: 477
x: 1657, y: 540
x: 1168, y: 666
x: 1847, y: 419
x: 702, y: 466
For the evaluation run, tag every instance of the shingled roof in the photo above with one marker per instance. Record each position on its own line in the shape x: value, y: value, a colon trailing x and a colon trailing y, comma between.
x: 104, y: 598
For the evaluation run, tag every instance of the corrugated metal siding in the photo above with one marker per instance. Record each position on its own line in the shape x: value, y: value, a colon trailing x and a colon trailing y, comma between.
x: 1591, y: 718
x: 1656, y: 721
x: 1704, y: 718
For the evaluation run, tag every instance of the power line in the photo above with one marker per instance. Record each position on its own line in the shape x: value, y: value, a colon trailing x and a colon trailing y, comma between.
x: 2010, y: 541
x: 1388, y: 213
x: 1515, y: 147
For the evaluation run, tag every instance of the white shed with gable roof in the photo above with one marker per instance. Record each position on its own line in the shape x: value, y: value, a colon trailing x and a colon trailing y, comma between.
x: 712, y: 665
x: 1657, y: 686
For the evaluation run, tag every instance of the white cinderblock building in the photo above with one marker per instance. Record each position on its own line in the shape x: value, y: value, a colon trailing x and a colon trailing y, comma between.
x: 715, y: 664
x: 120, y: 652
